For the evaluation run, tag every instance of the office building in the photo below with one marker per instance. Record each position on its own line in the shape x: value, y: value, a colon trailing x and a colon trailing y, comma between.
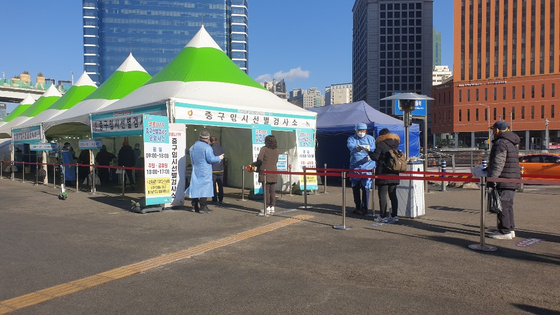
x: 156, y: 31
x: 3, y: 110
x: 506, y: 67
x: 437, y: 48
x: 338, y: 94
x: 277, y: 87
x: 311, y: 97
x: 440, y: 75
x: 391, y: 49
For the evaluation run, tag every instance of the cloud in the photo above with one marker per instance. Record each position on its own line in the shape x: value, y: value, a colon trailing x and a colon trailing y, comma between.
x: 291, y: 75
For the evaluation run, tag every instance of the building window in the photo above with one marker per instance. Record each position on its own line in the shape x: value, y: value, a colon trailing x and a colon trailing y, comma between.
x: 503, y: 93
x: 486, y: 114
x: 522, y: 112
x: 468, y: 115
x: 460, y: 115
x: 503, y: 113
x: 542, y: 111
x: 523, y: 91
x: 495, y: 113
x: 513, y: 113
x: 532, y: 112
x: 552, y: 111
x: 513, y: 92
x: 468, y: 95
x: 532, y: 91
x: 476, y: 114
x: 542, y: 90
x: 495, y: 93
x: 485, y: 94
x: 477, y: 95
x: 553, y: 89
x: 460, y: 96
x: 449, y: 116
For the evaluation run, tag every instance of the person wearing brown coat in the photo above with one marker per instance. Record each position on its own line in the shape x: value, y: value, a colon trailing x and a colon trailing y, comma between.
x: 267, y: 160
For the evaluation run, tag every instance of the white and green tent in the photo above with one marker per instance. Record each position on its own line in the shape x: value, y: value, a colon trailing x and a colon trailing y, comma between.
x: 25, y: 104
x: 79, y: 91
x: 75, y: 121
x: 50, y: 96
x: 202, y: 88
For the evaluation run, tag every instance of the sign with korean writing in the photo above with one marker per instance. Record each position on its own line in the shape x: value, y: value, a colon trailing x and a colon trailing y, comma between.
x: 43, y: 147
x: 124, y: 123
x: 259, y: 133
x: 178, y: 143
x: 157, y: 159
x: 420, y: 108
x: 282, y: 164
x: 236, y: 117
x: 92, y: 144
x: 32, y: 134
x: 306, y: 157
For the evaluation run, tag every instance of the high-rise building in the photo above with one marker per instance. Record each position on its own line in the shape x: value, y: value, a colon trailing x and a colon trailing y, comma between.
x: 506, y: 67
x: 311, y: 97
x: 437, y: 48
x: 391, y: 49
x: 3, y: 109
x: 156, y: 31
x: 277, y: 87
x: 338, y: 94
x: 440, y: 75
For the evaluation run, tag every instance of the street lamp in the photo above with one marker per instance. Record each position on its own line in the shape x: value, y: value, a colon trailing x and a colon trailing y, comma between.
x: 546, y: 141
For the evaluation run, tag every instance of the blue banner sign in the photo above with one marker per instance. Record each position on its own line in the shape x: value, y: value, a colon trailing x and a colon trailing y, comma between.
x: 419, y: 108
x: 92, y: 144
x: 43, y: 147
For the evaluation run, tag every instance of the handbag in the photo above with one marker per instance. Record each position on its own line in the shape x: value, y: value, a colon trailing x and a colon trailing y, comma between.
x: 494, y: 202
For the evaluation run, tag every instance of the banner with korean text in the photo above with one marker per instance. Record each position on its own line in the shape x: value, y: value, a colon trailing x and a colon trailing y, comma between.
x: 157, y: 159
x: 306, y: 157
x: 259, y: 133
x: 178, y: 143
x: 29, y: 135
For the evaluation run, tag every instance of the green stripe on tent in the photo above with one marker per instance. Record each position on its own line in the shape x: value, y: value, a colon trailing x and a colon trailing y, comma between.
x: 119, y: 85
x: 16, y: 112
x: 73, y: 96
x: 204, y: 64
x: 39, y: 106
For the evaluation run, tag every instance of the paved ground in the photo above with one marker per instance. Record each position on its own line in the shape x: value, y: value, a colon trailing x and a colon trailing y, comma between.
x: 89, y: 255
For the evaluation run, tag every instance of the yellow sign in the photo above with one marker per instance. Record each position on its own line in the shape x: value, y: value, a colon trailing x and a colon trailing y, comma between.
x: 311, y: 181
x: 158, y: 186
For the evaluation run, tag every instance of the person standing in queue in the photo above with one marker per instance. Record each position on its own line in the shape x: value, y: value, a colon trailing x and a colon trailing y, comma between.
x: 104, y: 158
x: 359, y: 145
x: 202, y: 157
x: 383, y: 144
x: 504, y: 163
x: 127, y: 159
x: 268, y: 160
x: 217, y: 172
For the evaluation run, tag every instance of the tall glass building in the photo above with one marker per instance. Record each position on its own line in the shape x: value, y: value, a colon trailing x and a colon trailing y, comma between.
x: 156, y: 31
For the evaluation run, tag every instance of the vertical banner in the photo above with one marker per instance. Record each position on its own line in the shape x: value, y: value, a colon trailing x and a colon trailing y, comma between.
x: 157, y: 160
x: 178, y: 141
x: 306, y: 156
x: 259, y: 133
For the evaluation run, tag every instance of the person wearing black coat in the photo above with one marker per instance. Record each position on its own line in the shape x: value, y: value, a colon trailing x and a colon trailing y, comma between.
x: 383, y: 144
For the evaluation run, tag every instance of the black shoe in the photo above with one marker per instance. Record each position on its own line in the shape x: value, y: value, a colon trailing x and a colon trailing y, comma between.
x: 208, y: 211
x: 358, y: 212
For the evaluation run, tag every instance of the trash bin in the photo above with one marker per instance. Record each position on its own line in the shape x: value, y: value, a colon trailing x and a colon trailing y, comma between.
x: 410, y: 194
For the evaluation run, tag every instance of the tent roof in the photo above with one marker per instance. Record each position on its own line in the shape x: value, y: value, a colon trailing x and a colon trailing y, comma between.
x: 203, y: 74
x: 23, y: 106
x: 342, y: 118
x: 82, y: 88
x: 127, y: 78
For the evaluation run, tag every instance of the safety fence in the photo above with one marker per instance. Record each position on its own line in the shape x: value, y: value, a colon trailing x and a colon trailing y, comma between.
x: 91, y: 180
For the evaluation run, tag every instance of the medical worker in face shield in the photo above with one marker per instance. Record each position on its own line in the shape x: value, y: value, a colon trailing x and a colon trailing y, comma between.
x: 359, y: 145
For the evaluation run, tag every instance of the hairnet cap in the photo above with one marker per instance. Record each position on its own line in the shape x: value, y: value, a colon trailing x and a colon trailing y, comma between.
x: 204, y: 134
x: 501, y: 125
x: 361, y: 126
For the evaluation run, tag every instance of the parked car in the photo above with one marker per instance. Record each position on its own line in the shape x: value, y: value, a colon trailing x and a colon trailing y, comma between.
x: 541, y: 164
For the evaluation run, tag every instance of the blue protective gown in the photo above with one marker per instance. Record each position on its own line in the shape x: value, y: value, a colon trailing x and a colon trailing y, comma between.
x: 202, y: 157
x: 360, y: 159
x: 69, y: 171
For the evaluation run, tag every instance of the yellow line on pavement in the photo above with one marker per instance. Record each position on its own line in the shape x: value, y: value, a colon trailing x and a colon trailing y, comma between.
x: 51, y: 293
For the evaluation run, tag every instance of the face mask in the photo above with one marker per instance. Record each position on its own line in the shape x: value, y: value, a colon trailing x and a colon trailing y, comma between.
x: 361, y: 134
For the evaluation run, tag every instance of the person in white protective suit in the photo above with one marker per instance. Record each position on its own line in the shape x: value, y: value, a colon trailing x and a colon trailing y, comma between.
x: 202, y: 157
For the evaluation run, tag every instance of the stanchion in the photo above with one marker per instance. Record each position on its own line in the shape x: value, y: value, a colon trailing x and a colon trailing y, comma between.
x: 290, y: 177
x: 94, y: 177
x: 264, y: 213
x: 325, y: 180
x: 372, y: 195
x: 23, y: 172
x: 77, y: 177
x: 2, y: 170
x: 343, y: 226
x: 36, y: 174
x: 123, y: 182
x: 482, y: 246
x: 54, y: 175
x: 443, y: 170
x: 242, y: 183
x: 522, y: 186
x: 305, y: 206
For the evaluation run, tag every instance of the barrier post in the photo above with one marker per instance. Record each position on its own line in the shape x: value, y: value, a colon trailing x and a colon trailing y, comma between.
x: 290, y: 177
x: 343, y: 226
x: 484, y: 164
x: 305, y: 206
x: 521, y: 186
x: 54, y: 175
x: 23, y: 171
x: 94, y: 175
x: 443, y: 170
x: 242, y: 183
x: 123, y: 178
x: 325, y: 181
x: 264, y: 213
x: 483, y: 204
x: 1, y: 169
x: 36, y: 173
x: 77, y: 177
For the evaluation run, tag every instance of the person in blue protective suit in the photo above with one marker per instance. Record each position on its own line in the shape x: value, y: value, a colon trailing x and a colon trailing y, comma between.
x: 202, y: 157
x: 69, y: 157
x: 359, y: 145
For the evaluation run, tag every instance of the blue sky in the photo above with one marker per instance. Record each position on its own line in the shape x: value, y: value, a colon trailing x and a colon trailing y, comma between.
x: 307, y: 44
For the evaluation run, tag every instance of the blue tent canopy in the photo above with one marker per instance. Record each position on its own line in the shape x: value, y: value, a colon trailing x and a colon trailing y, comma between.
x: 336, y: 122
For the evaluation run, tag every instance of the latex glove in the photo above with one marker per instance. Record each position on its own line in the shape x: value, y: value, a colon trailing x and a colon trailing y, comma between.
x: 221, y: 156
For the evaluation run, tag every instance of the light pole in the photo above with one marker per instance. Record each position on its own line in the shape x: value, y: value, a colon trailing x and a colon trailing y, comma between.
x: 546, y: 134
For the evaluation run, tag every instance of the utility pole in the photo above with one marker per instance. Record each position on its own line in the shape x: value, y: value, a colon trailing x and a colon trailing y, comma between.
x: 546, y: 141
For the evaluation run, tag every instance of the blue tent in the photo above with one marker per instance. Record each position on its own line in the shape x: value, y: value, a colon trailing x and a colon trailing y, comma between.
x: 336, y: 122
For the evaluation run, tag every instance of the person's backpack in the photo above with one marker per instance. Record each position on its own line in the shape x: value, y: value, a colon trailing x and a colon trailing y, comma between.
x: 396, y: 161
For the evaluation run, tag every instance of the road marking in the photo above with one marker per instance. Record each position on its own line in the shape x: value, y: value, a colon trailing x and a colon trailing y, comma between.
x: 51, y: 293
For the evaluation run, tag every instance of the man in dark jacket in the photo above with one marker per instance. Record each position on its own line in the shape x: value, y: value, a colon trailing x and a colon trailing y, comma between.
x: 127, y: 159
x: 383, y: 144
x: 504, y: 163
x: 217, y: 172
